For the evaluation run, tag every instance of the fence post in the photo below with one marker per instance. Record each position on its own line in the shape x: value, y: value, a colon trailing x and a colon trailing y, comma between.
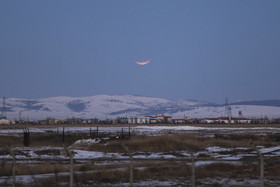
x: 26, y: 137
x: 14, y: 167
x: 131, y: 164
x: 14, y: 164
x: 71, y: 168
x: 97, y: 132
x: 262, y: 167
x: 129, y: 132
x: 193, y: 170
x: 193, y: 163
x: 67, y: 152
x: 63, y: 135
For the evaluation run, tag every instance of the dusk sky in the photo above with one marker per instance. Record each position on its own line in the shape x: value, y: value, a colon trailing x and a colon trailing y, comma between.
x: 202, y: 50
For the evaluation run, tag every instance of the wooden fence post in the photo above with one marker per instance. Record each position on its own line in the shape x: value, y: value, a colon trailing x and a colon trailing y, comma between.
x: 26, y: 137
x: 71, y: 168
x: 193, y: 170
x: 67, y: 152
x: 63, y: 135
x: 193, y: 163
x: 261, y: 168
x: 131, y: 164
x: 129, y: 132
x: 14, y: 164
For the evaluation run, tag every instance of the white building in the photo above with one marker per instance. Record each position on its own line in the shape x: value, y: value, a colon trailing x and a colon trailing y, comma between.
x: 4, y: 121
x: 226, y: 120
x: 135, y: 120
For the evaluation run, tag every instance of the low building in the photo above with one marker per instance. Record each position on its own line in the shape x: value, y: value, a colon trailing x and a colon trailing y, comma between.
x: 169, y: 119
x: 209, y: 120
x: 163, y: 119
x: 225, y: 120
x: 179, y: 121
x: 143, y: 120
x: 4, y: 120
x: 123, y: 120
x: 132, y: 120
x: 242, y: 120
x: 90, y: 121
x: 153, y: 120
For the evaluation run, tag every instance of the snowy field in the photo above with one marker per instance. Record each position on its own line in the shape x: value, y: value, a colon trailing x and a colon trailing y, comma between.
x: 209, y: 156
x: 143, y: 130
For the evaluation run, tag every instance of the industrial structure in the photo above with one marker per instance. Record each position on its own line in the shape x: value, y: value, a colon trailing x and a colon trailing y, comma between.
x: 3, y: 116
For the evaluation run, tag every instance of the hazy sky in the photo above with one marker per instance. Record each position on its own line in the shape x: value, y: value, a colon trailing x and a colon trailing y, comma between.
x: 203, y: 50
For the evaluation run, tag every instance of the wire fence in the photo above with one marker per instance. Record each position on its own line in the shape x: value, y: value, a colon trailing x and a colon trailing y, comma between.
x: 192, y: 162
x: 189, y: 167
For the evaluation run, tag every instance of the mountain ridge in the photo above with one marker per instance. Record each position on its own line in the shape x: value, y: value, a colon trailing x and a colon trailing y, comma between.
x: 270, y: 102
x: 112, y: 106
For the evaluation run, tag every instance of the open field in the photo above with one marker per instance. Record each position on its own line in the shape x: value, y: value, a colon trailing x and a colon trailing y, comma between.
x: 20, y: 126
x: 162, y: 155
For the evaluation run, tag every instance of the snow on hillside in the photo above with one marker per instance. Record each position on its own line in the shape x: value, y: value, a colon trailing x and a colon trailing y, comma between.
x: 112, y: 106
x: 249, y: 111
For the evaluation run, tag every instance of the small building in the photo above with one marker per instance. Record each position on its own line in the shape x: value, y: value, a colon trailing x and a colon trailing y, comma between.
x: 210, y: 120
x: 169, y: 119
x: 90, y: 121
x: 226, y: 120
x: 132, y: 120
x: 123, y: 120
x: 179, y: 121
x: 163, y: 119
x: 153, y: 120
x: 242, y: 120
x: 4, y: 120
x: 143, y: 120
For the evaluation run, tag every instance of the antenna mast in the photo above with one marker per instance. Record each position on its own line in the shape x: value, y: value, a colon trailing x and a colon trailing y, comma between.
x: 4, y: 107
x: 226, y: 108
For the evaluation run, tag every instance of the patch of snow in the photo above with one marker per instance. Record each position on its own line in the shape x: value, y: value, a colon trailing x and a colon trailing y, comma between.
x: 218, y: 149
x: 200, y: 163
x: 232, y: 158
x: 87, y: 141
x: 80, y: 154
x: 269, y: 150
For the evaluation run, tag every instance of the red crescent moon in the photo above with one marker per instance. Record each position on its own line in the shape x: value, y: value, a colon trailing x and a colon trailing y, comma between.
x: 143, y: 63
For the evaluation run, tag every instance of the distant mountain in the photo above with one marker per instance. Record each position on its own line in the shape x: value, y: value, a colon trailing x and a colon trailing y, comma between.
x: 275, y: 103
x: 112, y: 106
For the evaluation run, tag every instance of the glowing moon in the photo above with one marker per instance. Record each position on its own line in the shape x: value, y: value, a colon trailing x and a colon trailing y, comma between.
x: 143, y: 63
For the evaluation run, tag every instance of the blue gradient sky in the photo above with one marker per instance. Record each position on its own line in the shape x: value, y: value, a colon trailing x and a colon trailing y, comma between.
x: 203, y: 50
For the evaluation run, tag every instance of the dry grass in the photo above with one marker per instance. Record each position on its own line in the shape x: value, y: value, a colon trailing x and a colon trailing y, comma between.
x: 40, y: 139
x: 227, y: 170
x: 11, y: 141
x: 92, y: 174
x: 190, y: 142
x: 25, y: 169
x: 162, y: 171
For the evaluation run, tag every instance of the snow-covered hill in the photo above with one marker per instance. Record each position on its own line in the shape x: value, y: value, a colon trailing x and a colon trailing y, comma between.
x: 111, y: 106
